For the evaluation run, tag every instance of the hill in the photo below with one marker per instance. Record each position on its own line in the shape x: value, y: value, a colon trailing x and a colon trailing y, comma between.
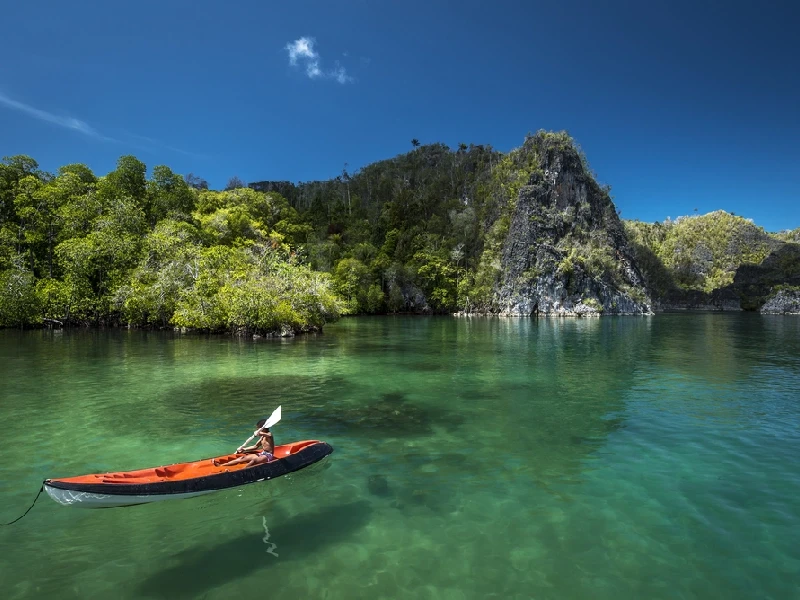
x: 435, y: 230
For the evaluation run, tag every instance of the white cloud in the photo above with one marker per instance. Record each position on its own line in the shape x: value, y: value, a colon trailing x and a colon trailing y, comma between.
x: 340, y: 74
x: 304, y: 47
x: 302, y: 50
x: 313, y: 70
x: 66, y: 122
x: 86, y: 129
x: 159, y: 144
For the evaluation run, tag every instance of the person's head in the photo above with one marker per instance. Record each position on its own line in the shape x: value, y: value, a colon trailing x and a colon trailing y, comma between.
x: 260, y: 425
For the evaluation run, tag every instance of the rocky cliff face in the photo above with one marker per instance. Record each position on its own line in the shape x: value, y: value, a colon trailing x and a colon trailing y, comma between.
x: 566, y: 252
x: 754, y: 284
x: 785, y: 302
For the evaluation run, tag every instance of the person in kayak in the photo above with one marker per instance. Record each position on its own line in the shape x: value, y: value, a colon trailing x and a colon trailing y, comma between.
x: 266, y: 444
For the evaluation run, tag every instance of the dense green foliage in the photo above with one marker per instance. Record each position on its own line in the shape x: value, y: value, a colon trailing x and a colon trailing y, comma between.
x: 423, y: 231
x: 790, y: 235
x: 125, y: 249
x: 697, y: 253
x: 427, y: 224
x: 400, y: 230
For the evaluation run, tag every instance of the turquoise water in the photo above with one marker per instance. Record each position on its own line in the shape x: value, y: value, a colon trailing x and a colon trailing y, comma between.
x: 474, y: 458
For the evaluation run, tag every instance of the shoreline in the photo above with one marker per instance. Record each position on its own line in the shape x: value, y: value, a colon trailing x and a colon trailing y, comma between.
x: 287, y: 335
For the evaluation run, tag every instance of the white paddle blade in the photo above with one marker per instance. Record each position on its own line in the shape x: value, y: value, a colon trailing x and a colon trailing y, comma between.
x: 274, y: 418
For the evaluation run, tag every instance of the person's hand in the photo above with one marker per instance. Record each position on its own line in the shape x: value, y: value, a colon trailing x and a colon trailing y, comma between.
x: 239, y: 450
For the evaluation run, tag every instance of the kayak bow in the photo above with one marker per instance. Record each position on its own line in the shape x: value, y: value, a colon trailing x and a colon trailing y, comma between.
x: 180, y: 480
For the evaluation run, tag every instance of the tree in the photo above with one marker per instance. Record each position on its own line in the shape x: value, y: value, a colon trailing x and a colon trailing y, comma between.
x: 80, y: 171
x: 353, y: 281
x: 169, y: 196
x: 193, y: 181
x: 18, y: 302
x: 234, y: 183
x: 12, y: 170
x: 128, y: 179
x: 165, y: 272
x: 256, y: 289
x: 43, y: 213
x: 415, y: 143
x: 346, y: 179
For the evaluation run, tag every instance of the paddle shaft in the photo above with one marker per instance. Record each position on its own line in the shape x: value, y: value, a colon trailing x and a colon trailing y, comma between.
x: 250, y: 438
x: 273, y: 419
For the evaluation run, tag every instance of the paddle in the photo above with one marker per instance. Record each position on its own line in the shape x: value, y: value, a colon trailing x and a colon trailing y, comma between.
x: 273, y: 419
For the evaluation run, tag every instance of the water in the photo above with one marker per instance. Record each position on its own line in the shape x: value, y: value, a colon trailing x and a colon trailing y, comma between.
x: 474, y: 458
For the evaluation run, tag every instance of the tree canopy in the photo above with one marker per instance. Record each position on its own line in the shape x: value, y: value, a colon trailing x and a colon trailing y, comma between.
x: 128, y: 249
x: 420, y: 232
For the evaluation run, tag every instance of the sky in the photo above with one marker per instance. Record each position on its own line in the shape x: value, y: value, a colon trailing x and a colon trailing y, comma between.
x: 678, y: 106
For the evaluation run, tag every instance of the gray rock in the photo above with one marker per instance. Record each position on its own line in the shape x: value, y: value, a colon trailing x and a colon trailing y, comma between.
x: 404, y: 296
x: 566, y: 252
x: 785, y: 302
x: 414, y: 299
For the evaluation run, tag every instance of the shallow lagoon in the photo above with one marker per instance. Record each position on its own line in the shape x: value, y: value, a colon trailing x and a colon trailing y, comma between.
x: 631, y: 457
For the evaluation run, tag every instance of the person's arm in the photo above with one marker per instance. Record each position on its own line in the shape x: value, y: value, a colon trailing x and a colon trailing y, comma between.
x: 251, y: 448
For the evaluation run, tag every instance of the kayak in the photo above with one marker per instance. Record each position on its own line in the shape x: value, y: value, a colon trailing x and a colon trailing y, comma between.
x: 180, y: 480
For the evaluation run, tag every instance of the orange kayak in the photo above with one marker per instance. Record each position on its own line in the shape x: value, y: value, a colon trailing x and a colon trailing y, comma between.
x: 180, y: 480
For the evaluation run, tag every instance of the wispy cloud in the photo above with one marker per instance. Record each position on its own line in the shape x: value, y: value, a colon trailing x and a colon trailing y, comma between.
x: 66, y: 122
x: 86, y: 129
x: 340, y: 75
x: 301, y: 51
x: 153, y: 142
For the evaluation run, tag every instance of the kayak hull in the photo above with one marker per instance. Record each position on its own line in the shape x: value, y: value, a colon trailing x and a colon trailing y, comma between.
x: 90, y: 500
x: 180, y: 480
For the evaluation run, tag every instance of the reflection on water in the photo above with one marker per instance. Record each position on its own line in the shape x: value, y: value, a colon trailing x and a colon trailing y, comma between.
x: 197, y: 570
x: 479, y: 457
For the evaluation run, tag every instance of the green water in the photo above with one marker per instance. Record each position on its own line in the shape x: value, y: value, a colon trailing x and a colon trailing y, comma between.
x: 474, y: 458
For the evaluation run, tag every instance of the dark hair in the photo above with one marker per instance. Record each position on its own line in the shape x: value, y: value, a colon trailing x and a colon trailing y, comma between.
x: 261, y: 423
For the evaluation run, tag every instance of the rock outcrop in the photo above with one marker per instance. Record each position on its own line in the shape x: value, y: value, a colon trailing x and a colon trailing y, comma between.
x: 785, y: 302
x: 754, y: 284
x: 407, y: 297
x: 566, y: 252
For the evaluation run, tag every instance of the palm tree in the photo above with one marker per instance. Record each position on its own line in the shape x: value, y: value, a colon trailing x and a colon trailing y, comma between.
x: 415, y: 143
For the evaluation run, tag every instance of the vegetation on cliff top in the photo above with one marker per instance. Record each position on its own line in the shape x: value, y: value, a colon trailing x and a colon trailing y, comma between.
x: 699, y: 252
x: 421, y: 231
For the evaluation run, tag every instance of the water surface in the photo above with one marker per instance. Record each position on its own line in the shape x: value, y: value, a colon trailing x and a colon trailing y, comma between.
x: 474, y: 458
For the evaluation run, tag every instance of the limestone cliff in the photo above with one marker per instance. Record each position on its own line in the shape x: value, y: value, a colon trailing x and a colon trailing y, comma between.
x: 566, y: 252
x: 784, y: 302
x: 755, y: 283
x: 716, y: 262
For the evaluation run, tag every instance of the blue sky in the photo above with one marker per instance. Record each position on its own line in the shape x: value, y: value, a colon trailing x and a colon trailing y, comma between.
x: 678, y: 105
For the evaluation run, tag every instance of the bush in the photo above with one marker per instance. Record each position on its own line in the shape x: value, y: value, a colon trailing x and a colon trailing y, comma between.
x: 19, y: 304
